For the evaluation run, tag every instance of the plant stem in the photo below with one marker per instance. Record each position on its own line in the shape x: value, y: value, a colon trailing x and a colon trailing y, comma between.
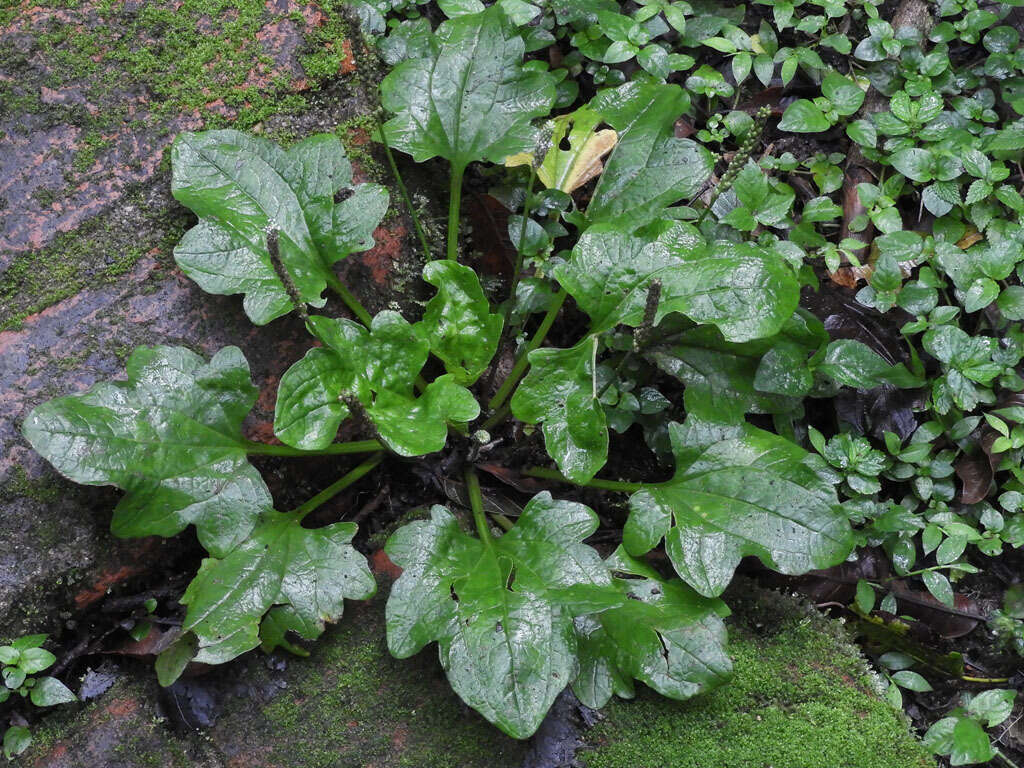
x: 992, y: 680
x: 522, y: 362
x: 1008, y: 760
x: 337, y: 486
x: 476, y: 503
x: 522, y: 235
x: 603, y: 485
x: 405, y: 194
x: 495, y: 417
x: 335, y: 449
x: 454, y: 201
x: 350, y: 300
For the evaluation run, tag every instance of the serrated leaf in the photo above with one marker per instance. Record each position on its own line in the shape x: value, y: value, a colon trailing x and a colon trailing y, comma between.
x: 745, y: 291
x: 241, y: 186
x: 559, y: 393
x: 281, y: 563
x: 472, y: 100
x: 170, y: 437
x: 650, y: 168
x: 750, y: 495
x: 501, y: 611
x: 374, y: 370
x: 665, y: 635
x: 458, y: 322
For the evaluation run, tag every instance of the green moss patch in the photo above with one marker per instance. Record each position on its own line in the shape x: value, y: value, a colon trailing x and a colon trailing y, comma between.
x: 802, y: 697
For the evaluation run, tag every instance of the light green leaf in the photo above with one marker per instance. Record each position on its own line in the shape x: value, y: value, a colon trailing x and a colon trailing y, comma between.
x: 372, y: 370
x: 939, y: 586
x: 745, y: 291
x: 970, y: 744
x: 473, y: 100
x: 281, y: 563
x: 35, y: 660
x: 802, y: 116
x: 458, y: 321
x: 170, y: 437
x: 914, y: 163
x: 912, y: 681
x: 649, y: 168
x: 846, y: 96
x: 241, y: 186
x: 560, y: 393
x: 501, y: 611
x: 750, y: 495
x: 17, y: 739
x: 568, y: 169
x: 993, y: 706
x: 49, y: 691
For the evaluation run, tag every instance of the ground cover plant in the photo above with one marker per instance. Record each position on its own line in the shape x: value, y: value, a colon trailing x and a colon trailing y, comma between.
x: 764, y: 294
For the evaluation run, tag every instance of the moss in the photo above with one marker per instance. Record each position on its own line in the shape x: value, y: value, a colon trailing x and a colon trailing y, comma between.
x: 18, y: 484
x: 96, y: 254
x: 197, y: 57
x: 801, y: 697
x: 353, y: 704
x: 92, y: 144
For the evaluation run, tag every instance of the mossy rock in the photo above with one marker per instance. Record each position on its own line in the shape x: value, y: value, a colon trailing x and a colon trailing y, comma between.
x: 802, y: 697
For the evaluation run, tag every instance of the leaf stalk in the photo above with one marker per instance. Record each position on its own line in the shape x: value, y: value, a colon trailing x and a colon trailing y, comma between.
x: 405, y: 194
x: 476, y: 503
x: 338, y: 486
x: 620, y: 486
x: 523, y: 361
x: 335, y: 449
x: 454, y: 203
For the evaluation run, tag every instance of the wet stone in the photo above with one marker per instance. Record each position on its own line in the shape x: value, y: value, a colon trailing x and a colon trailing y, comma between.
x: 351, y: 705
x: 90, y: 98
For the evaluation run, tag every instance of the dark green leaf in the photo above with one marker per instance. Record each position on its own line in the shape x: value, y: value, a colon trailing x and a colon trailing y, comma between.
x: 802, y: 116
x: 649, y: 168
x: 473, y: 100
x: 561, y: 393
x: 846, y: 96
x: 170, y: 437
x: 720, y: 376
x: 241, y: 186
x: 501, y: 611
x: 665, y: 635
x: 281, y: 563
x: 745, y: 291
x: 750, y: 495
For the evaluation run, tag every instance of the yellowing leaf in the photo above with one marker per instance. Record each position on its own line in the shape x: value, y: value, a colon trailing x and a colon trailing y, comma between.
x: 570, y: 169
